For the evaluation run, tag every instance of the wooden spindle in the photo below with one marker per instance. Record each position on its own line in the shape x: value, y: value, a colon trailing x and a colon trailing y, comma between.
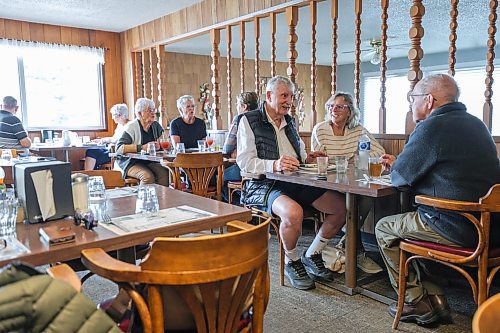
x: 272, y: 18
x: 453, y: 37
x: 292, y: 18
x: 357, y: 63
x: 162, y: 93
x: 415, y: 54
x: 490, y: 67
x: 314, y: 15
x: 146, y: 73
x: 215, y: 40
x: 242, y: 59
x: 229, y: 39
x: 335, y: 16
x: 137, y: 67
x: 256, y: 26
x: 153, y: 62
x: 383, y: 67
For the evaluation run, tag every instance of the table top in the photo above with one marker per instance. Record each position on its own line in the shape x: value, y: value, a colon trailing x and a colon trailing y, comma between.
x: 160, y: 156
x: 346, y: 182
x: 42, y: 253
x: 46, y: 147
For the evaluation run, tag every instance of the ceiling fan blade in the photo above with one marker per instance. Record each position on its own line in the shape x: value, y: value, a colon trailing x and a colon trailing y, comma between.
x: 362, y: 50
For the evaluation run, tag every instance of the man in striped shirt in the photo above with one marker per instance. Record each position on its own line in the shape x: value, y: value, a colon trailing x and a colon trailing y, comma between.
x: 12, y: 133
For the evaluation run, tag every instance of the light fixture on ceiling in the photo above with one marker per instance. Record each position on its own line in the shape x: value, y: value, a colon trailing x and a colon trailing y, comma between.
x: 376, y: 44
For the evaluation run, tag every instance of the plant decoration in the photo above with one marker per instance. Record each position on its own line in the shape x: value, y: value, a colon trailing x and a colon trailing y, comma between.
x: 206, y: 109
x: 298, y: 98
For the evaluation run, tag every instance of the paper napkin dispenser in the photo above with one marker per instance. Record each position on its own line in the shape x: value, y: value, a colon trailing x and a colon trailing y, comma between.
x: 44, y: 190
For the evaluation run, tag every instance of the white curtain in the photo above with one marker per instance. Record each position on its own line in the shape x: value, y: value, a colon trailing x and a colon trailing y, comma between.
x: 28, y: 48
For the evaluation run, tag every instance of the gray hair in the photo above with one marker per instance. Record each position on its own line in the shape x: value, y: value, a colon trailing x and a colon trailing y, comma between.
x: 9, y: 102
x: 142, y: 104
x: 355, y: 115
x: 181, y: 102
x: 278, y: 79
x: 119, y: 109
x: 442, y: 85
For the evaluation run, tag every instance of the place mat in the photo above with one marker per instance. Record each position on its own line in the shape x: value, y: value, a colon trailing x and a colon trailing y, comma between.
x: 382, y: 180
x: 140, y: 222
x: 14, y: 248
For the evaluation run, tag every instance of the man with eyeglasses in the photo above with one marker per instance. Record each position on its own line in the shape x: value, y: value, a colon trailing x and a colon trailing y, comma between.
x: 268, y: 141
x: 187, y: 128
x: 12, y: 132
x: 450, y: 155
x: 138, y: 133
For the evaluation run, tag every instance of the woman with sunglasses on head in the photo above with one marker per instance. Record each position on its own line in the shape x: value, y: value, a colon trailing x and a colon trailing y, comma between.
x: 338, y: 135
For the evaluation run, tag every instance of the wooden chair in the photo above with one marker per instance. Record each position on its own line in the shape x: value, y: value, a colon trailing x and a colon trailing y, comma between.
x: 482, y: 257
x: 232, y: 187
x: 112, y: 178
x: 199, y: 168
x: 215, y: 281
x: 486, y: 317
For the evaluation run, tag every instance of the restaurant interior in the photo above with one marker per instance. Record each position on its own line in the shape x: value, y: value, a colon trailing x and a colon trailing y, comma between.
x: 139, y: 256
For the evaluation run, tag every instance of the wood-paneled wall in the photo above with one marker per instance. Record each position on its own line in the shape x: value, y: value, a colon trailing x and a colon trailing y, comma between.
x: 184, y: 73
x: 36, y: 32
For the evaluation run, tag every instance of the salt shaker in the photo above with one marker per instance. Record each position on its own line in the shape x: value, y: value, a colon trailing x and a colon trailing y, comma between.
x: 79, y: 182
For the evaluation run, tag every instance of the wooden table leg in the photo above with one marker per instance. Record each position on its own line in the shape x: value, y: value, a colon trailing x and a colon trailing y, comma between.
x: 351, y: 240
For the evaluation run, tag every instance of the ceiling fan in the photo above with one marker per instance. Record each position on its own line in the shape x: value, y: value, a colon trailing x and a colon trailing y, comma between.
x: 374, y: 52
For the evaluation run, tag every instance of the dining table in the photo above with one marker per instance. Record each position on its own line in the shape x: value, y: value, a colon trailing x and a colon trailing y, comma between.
x: 54, y: 148
x: 40, y: 252
x: 353, y: 184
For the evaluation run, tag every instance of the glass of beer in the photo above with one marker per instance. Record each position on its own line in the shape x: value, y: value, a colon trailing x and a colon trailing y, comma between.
x: 374, y: 167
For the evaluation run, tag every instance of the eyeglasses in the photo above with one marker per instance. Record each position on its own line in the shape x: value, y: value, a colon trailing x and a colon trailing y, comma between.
x: 411, y: 97
x: 337, y: 106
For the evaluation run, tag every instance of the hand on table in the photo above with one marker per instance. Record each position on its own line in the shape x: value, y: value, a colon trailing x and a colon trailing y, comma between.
x: 387, y: 161
x: 286, y: 163
x: 311, y: 157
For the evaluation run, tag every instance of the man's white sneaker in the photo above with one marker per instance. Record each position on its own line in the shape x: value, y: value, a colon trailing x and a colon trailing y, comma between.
x: 367, y: 265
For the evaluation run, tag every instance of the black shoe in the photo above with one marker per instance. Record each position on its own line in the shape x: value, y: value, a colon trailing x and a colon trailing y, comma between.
x: 315, y: 267
x: 420, y: 312
x: 441, y: 307
x: 297, y: 275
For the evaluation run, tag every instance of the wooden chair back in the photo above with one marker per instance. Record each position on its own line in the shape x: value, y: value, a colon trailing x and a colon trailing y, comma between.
x: 485, y: 258
x: 112, y: 178
x: 213, y: 278
x: 486, y: 317
x: 199, y: 168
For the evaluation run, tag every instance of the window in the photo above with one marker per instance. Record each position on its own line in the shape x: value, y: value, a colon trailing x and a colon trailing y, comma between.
x: 470, y: 81
x: 60, y: 86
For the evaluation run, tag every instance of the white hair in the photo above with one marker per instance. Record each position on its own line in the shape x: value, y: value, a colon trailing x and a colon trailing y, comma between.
x: 278, y: 79
x: 181, y: 102
x: 142, y: 104
x: 120, y: 109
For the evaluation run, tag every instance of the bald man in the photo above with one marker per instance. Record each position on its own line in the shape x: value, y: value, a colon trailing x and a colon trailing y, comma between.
x: 451, y: 154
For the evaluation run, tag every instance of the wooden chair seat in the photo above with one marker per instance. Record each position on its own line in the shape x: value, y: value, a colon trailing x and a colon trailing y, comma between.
x: 215, y: 286
x: 455, y: 250
x: 486, y: 317
x: 484, y: 257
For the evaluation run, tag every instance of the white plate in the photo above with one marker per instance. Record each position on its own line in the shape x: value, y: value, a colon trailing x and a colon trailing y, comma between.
x: 314, y: 167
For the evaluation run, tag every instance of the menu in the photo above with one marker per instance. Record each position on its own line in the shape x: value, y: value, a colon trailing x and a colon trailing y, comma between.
x: 140, y: 222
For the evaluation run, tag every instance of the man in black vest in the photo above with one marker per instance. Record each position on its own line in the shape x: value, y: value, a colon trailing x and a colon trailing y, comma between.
x: 268, y: 141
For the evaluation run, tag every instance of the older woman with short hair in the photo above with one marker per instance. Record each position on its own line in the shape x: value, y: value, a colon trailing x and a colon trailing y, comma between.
x: 187, y: 128
x: 338, y: 135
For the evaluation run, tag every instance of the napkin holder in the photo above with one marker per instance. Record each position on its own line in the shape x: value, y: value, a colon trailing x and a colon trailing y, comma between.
x: 26, y: 193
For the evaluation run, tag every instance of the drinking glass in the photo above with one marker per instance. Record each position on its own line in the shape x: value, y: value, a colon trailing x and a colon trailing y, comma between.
x: 179, y: 148
x: 201, y: 146
x: 374, y: 167
x: 97, y: 197
x: 165, y: 144
x: 6, y: 154
x: 341, y: 163
x: 210, y: 142
x: 8, y: 216
x: 36, y: 140
x: 147, y: 200
x: 151, y: 149
x: 322, y: 162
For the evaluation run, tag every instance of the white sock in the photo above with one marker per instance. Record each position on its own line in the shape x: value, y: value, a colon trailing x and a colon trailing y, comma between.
x: 317, y: 245
x: 291, y: 255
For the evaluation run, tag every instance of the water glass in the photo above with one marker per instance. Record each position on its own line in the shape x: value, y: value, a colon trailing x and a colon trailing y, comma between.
x: 151, y: 150
x: 97, y: 190
x: 8, y: 216
x: 201, y: 146
x: 6, y: 154
x: 179, y: 148
x: 147, y: 200
x: 36, y: 140
x: 322, y: 162
x: 341, y: 163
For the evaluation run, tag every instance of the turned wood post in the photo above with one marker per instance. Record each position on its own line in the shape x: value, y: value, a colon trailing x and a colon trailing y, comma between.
x: 215, y: 40
x: 383, y: 67
x: 358, y: 9
x: 229, y: 39
x: 314, y: 15
x: 242, y: 59
x: 292, y: 18
x: 335, y: 16
x: 453, y: 37
x: 490, y: 57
